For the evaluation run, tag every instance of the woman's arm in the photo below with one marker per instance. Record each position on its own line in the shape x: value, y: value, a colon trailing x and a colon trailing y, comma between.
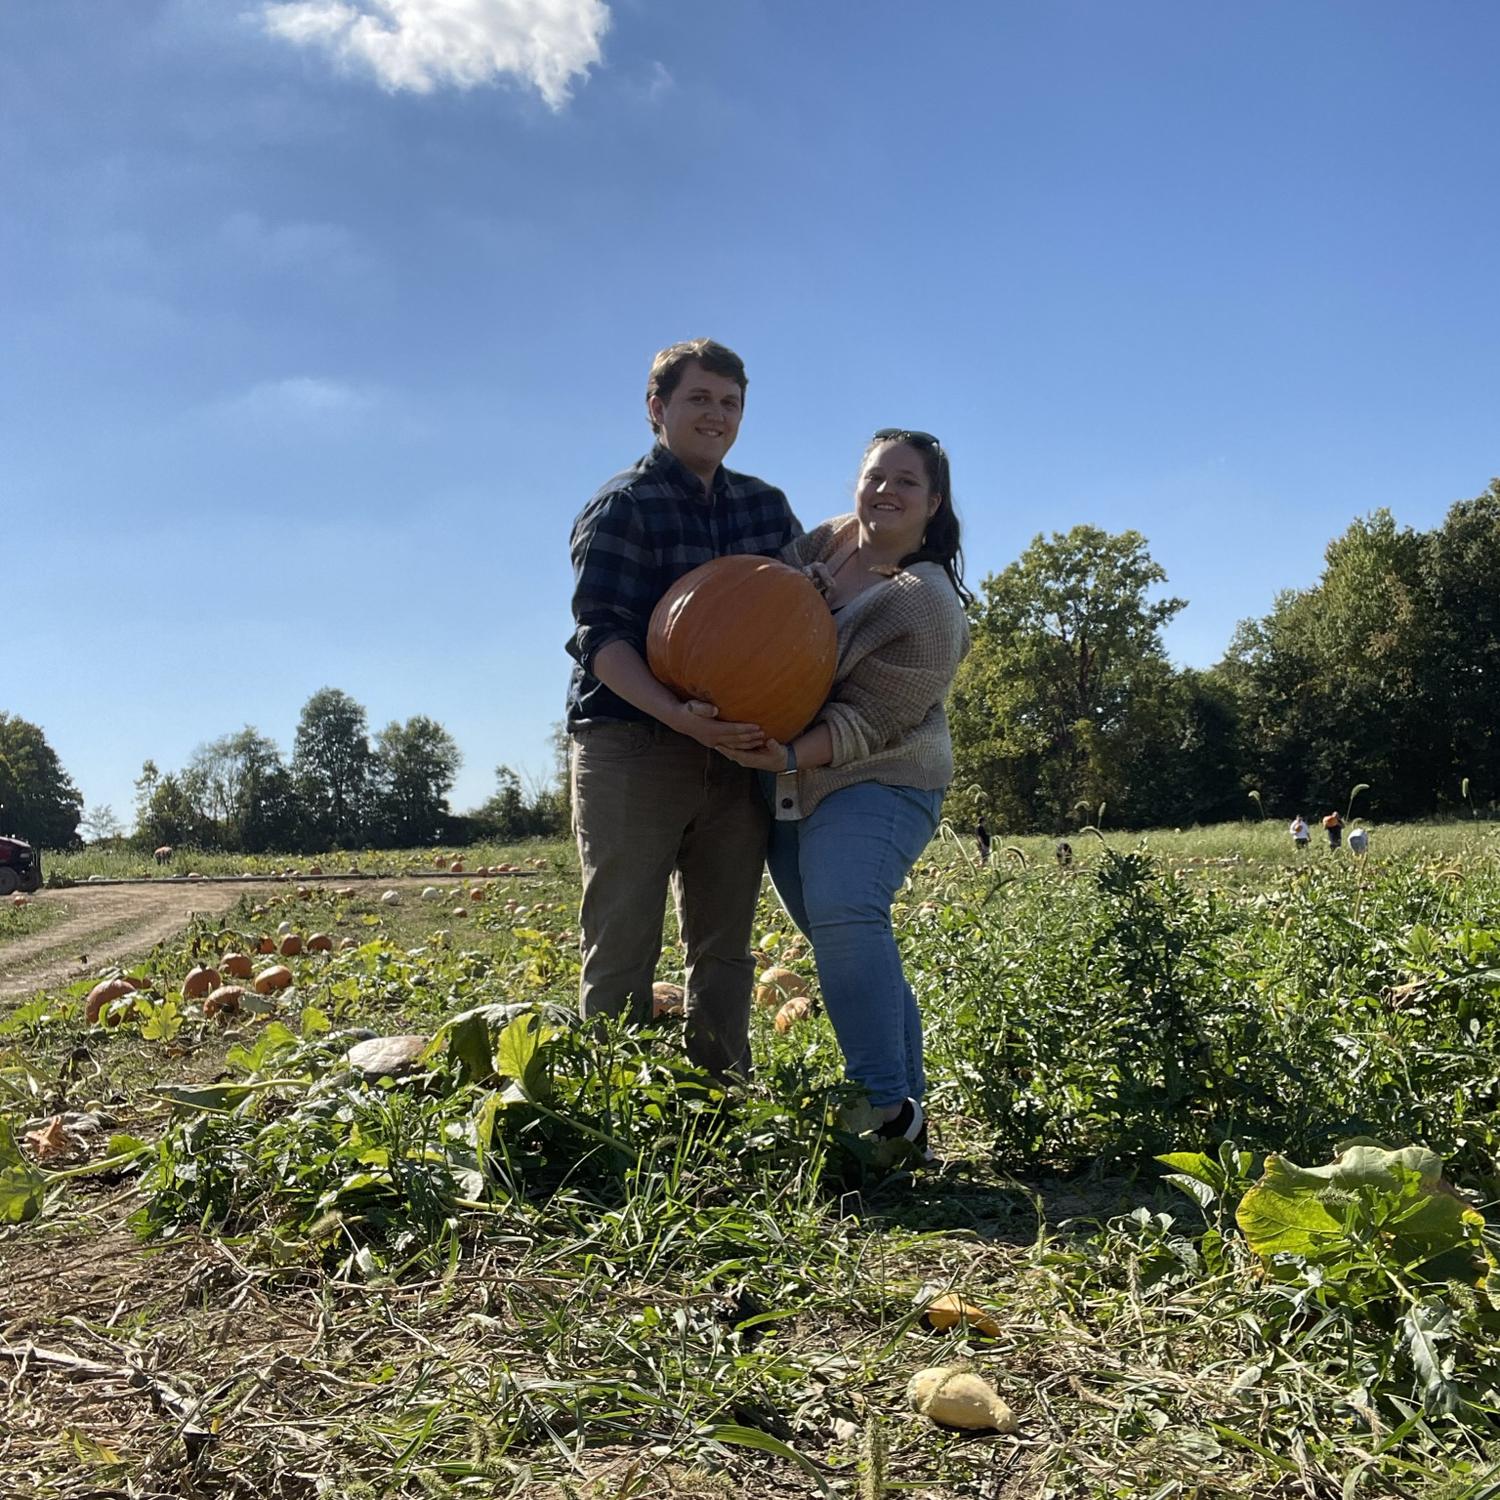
x: 817, y: 544
x: 884, y: 692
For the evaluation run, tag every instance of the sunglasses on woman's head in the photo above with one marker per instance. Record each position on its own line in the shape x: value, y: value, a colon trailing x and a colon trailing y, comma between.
x: 906, y: 435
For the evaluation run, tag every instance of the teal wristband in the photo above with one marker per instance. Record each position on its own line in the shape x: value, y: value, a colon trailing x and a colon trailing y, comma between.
x: 791, y: 758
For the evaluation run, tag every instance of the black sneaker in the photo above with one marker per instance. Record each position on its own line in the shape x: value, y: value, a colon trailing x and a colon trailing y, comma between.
x: 909, y: 1125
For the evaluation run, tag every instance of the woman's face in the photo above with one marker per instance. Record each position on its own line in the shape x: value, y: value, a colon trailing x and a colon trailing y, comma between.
x: 894, y: 500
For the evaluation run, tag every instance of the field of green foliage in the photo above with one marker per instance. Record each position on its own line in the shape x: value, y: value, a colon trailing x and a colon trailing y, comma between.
x: 1220, y: 1128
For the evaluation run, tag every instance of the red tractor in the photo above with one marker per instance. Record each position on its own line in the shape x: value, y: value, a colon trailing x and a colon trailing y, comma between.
x: 20, y: 866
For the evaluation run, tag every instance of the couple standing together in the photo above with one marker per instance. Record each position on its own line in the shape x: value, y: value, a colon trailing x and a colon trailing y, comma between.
x: 664, y: 792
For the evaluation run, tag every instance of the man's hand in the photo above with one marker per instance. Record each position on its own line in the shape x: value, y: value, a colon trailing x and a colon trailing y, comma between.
x: 700, y: 721
x: 771, y: 756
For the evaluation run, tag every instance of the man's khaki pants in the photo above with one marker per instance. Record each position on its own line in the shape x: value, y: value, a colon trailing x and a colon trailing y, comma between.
x: 652, y: 807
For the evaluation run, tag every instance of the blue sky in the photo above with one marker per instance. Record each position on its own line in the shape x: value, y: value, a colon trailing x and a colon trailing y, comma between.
x: 320, y: 320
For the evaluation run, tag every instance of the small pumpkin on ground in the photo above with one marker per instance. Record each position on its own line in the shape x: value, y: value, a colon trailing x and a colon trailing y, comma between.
x: 236, y: 965
x: 667, y: 1000
x: 798, y: 1008
x: 777, y: 985
x: 291, y: 945
x: 269, y: 981
x: 106, y: 992
x: 320, y: 942
x: 227, y: 1000
x: 200, y: 981
x: 952, y: 1396
x: 948, y: 1310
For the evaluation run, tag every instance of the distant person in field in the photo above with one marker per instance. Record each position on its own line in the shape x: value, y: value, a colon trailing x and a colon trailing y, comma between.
x: 982, y: 839
x: 858, y: 793
x: 1064, y: 854
x: 1300, y: 832
x: 653, y: 804
x: 1359, y: 841
x: 1334, y: 826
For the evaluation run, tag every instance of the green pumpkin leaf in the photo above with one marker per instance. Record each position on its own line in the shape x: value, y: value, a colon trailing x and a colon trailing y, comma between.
x: 520, y: 1056
x: 22, y: 1187
x: 1399, y: 1198
x: 1282, y: 1213
x: 469, y: 1048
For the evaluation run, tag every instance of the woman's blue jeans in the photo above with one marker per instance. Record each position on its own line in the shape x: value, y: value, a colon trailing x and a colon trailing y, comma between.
x: 837, y: 871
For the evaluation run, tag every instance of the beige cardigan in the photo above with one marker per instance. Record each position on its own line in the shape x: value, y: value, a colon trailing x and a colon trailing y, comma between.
x: 900, y: 643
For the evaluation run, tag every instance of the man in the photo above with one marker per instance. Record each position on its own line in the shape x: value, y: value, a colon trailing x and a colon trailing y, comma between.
x: 653, y: 800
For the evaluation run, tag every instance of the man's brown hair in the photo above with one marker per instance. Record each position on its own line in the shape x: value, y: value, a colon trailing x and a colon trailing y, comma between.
x: 667, y: 368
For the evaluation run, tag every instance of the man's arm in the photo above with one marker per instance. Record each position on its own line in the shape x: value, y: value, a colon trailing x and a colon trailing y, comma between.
x: 622, y: 669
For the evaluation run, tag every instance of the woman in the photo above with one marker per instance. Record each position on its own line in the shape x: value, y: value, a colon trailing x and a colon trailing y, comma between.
x: 857, y: 794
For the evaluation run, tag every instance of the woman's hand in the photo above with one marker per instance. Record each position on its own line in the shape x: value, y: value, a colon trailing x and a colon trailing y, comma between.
x: 771, y: 756
x: 700, y: 721
x: 822, y: 579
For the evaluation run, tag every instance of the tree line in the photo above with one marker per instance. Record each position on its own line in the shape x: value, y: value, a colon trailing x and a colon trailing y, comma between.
x: 1386, y: 672
x: 341, y: 788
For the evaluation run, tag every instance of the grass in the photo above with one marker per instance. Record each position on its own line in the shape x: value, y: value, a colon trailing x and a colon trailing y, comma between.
x: 595, y: 1277
x: 18, y: 921
x: 72, y: 866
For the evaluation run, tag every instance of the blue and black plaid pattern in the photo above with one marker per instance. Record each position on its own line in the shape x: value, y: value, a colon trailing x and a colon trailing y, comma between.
x: 638, y: 535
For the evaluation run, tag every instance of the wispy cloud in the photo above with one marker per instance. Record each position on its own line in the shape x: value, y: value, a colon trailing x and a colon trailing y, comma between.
x: 421, y: 45
x: 299, y: 398
x: 295, y: 246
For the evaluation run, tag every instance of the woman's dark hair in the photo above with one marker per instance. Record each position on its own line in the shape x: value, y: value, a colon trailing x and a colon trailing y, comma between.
x: 940, y: 542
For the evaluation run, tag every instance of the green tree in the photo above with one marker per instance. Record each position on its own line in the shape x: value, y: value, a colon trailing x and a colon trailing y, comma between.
x: 38, y: 801
x: 1066, y: 648
x: 1460, y: 564
x: 99, y: 825
x: 1341, y: 682
x: 331, y: 768
x: 242, y: 790
x: 504, y: 815
x: 164, y: 813
x: 416, y: 764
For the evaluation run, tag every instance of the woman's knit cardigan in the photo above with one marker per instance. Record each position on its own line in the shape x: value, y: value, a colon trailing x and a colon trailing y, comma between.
x: 900, y: 642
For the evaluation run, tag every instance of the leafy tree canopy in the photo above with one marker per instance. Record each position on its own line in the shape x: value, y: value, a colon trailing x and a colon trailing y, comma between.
x: 38, y: 801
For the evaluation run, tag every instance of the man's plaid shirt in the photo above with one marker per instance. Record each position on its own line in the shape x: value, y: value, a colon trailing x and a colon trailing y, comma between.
x: 637, y: 537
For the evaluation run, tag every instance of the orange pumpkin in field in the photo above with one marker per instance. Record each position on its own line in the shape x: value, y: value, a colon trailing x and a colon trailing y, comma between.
x: 749, y: 635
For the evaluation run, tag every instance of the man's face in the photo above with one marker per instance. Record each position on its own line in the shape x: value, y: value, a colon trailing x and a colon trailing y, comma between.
x: 700, y: 420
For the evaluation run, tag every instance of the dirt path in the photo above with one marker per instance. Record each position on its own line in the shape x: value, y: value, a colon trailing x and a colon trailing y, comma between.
x: 103, y: 927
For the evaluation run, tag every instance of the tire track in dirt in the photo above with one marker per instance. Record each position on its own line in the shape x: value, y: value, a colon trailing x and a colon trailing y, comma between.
x: 103, y: 927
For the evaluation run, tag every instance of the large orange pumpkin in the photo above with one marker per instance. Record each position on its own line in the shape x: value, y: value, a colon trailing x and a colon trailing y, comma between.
x: 749, y: 635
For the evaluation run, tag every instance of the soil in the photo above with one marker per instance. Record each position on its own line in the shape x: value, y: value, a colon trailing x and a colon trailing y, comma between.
x: 106, y: 926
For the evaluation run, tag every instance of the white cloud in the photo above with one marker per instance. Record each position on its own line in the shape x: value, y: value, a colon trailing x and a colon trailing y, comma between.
x: 300, y: 398
x: 422, y: 44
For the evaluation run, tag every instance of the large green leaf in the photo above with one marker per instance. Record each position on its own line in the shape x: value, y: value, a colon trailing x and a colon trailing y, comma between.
x: 1282, y: 1213
x: 469, y: 1047
x: 520, y: 1055
x: 22, y: 1187
x: 1364, y: 1162
x: 1421, y: 1221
